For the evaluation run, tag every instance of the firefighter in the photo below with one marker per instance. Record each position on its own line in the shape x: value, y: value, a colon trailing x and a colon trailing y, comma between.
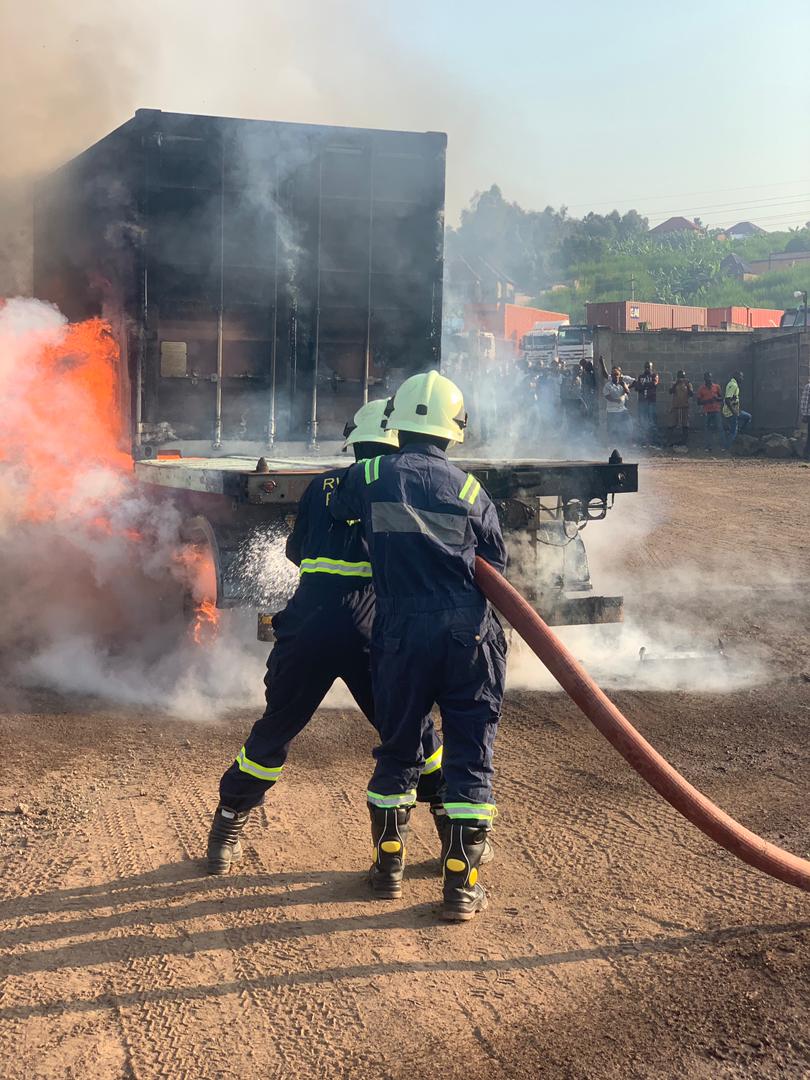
x: 435, y: 637
x: 322, y: 634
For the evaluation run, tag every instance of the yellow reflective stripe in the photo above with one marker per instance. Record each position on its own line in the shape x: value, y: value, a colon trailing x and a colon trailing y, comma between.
x: 469, y: 493
x: 465, y: 811
x: 467, y: 485
x: 253, y: 768
x: 407, y: 798
x: 323, y: 565
x: 433, y: 763
x: 372, y: 468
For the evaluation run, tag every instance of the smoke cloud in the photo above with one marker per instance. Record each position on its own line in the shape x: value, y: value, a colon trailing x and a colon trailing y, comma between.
x: 71, y: 73
x: 94, y: 575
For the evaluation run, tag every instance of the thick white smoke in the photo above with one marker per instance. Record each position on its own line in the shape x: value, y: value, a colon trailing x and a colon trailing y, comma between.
x: 93, y: 573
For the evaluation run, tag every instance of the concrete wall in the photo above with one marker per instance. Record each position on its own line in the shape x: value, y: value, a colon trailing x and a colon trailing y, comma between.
x: 781, y: 368
x: 775, y: 366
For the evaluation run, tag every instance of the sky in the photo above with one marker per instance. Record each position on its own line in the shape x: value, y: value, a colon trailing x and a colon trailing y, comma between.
x: 697, y: 109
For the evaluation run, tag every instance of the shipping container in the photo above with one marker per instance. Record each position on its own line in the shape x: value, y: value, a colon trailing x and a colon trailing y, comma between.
x: 752, y: 318
x: 508, y: 322
x: 260, y: 276
x: 638, y: 314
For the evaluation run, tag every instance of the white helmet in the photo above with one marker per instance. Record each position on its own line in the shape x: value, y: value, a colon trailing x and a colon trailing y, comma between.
x: 429, y: 404
x: 367, y: 427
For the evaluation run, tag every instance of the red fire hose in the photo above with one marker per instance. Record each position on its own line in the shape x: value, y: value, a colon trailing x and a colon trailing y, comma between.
x: 635, y: 749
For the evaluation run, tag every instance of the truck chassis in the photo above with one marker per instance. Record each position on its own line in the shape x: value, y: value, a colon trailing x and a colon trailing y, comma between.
x: 236, y: 506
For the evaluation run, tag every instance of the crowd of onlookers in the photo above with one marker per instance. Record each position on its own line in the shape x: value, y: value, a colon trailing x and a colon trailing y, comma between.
x: 542, y: 406
x: 718, y: 407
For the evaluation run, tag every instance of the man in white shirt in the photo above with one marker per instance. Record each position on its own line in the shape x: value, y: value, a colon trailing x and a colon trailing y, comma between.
x: 616, y: 393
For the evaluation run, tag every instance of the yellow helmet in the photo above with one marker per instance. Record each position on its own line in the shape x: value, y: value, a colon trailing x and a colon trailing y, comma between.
x: 429, y: 404
x: 367, y: 426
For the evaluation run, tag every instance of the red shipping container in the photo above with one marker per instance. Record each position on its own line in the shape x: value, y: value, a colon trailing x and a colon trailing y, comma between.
x: 753, y: 318
x: 508, y: 322
x: 628, y: 314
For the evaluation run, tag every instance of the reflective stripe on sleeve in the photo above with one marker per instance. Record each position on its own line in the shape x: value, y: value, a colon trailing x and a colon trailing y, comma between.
x: 372, y: 469
x: 465, y: 811
x: 433, y: 763
x: 322, y: 565
x: 469, y: 493
x: 253, y: 768
x: 407, y: 798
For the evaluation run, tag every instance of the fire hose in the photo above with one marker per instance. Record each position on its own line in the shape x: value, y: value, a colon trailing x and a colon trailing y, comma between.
x: 633, y: 747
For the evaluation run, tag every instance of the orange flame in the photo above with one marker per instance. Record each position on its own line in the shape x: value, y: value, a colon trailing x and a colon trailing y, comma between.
x: 65, y: 413
x: 64, y: 418
x: 195, y: 565
x: 206, y: 623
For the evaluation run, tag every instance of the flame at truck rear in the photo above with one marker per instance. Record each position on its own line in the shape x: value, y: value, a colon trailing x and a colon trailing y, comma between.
x: 60, y: 426
x: 85, y: 553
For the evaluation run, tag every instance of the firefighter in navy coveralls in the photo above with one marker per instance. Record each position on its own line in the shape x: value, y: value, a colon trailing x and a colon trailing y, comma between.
x: 322, y: 634
x: 435, y: 637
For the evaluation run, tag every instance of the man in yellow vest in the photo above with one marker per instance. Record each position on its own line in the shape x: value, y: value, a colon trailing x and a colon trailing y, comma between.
x: 735, y: 418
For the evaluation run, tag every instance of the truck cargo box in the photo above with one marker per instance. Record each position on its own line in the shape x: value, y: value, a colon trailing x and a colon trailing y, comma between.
x: 261, y: 277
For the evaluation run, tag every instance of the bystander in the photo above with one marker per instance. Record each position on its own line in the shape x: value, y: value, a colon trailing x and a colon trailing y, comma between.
x: 646, y: 386
x: 805, y: 411
x: 681, y: 391
x: 574, y: 405
x: 736, y: 418
x: 710, y: 399
x: 616, y: 392
x: 587, y: 376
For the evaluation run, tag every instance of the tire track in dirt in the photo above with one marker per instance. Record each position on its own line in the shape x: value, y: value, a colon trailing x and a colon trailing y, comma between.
x: 645, y: 835
x: 308, y: 1030
x: 247, y: 1020
x: 168, y: 1035
x: 152, y: 1031
x: 29, y: 879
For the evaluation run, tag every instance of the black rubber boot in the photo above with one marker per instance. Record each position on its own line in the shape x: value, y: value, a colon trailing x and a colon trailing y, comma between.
x: 223, y: 839
x: 442, y: 823
x: 389, y: 830
x: 464, y: 897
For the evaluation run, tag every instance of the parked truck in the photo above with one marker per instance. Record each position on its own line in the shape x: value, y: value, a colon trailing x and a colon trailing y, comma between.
x: 263, y: 280
x: 539, y: 345
x: 575, y: 344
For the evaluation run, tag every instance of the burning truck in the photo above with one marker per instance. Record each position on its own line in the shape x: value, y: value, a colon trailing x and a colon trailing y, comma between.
x: 262, y: 280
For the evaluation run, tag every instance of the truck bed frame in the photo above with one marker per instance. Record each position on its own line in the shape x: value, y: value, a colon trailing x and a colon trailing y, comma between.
x: 230, y: 503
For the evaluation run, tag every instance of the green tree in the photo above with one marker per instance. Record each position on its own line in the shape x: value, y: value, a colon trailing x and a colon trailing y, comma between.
x: 601, y: 257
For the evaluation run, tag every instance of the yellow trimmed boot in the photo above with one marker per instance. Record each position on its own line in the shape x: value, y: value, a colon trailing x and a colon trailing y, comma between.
x: 442, y: 823
x: 464, y: 896
x: 389, y: 831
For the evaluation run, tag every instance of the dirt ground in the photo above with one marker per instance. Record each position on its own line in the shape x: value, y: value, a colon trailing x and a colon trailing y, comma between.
x: 619, y: 941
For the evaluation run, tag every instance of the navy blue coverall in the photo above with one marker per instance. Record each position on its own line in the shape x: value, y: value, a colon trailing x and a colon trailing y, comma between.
x: 322, y: 634
x: 435, y: 637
